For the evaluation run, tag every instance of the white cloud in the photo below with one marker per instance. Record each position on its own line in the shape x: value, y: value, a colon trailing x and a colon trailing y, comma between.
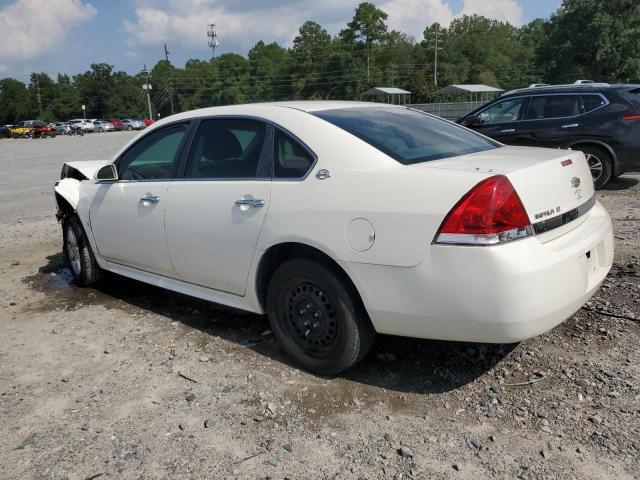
x: 504, y: 10
x: 29, y: 28
x: 241, y: 24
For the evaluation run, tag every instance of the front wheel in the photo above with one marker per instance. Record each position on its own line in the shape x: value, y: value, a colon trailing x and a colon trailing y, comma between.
x: 78, y: 254
x: 317, y: 317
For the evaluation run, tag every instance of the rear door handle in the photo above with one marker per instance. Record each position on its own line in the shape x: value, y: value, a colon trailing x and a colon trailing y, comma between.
x: 509, y: 130
x: 250, y: 202
x: 150, y: 199
x: 571, y: 125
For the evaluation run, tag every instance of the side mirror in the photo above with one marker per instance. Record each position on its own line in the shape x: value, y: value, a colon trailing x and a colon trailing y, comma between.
x: 107, y: 173
x: 472, y: 121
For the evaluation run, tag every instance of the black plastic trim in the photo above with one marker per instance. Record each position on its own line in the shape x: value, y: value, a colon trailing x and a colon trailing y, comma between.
x: 567, y: 217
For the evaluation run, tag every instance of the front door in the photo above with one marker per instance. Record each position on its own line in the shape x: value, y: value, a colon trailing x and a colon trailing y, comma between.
x: 127, y: 216
x: 500, y: 121
x: 215, y: 213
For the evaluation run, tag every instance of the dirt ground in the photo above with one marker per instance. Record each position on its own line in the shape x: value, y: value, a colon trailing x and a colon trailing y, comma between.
x: 131, y: 381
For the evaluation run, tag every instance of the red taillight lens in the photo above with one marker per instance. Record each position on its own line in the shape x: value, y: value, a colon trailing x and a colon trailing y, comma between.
x: 488, y: 214
x: 633, y: 114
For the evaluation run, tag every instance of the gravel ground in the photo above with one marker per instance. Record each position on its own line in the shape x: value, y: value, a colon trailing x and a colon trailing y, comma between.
x: 131, y: 381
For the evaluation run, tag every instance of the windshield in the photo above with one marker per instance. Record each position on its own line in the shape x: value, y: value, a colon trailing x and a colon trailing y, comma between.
x: 407, y: 135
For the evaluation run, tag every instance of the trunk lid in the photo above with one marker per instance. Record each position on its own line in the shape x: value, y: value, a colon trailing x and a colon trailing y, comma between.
x: 550, y: 182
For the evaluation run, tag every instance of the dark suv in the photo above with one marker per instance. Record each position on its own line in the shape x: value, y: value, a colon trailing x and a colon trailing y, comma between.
x: 600, y: 119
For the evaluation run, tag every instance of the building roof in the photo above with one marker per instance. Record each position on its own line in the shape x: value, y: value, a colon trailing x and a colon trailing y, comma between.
x: 472, y: 88
x: 385, y: 91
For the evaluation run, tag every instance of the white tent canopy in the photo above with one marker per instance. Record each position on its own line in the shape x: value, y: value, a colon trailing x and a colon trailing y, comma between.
x: 473, y: 91
x: 392, y: 94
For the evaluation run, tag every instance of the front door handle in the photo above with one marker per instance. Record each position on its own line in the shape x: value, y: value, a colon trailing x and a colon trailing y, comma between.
x: 571, y: 125
x: 509, y: 130
x: 250, y: 202
x: 150, y: 199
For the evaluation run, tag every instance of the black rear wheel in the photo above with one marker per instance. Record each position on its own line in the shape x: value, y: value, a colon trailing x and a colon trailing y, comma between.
x: 600, y: 164
x: 318, y: 317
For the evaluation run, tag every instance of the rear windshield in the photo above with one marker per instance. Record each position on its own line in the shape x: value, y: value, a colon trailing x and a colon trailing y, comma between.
x: 406, y: 135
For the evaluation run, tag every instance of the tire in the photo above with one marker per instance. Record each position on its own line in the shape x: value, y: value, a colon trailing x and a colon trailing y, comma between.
x: 129, y: 128
x: 601, y: 164
x: 305, y: 295
x: 77, y: 253
x: 101, y: 130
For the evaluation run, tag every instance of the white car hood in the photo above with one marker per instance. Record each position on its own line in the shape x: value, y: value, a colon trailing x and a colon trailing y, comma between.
x: 88, y: 168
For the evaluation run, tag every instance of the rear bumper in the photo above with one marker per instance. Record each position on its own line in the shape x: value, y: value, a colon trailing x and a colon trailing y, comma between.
x: 499, y: 294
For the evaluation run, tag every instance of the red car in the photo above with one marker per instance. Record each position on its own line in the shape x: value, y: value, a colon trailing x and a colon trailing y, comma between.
x: 44, y: 130
x: 116, y: 123
x: 149, y: 121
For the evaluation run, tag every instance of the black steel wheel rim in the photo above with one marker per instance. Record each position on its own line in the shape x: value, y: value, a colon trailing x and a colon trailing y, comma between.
x: 311, y: 320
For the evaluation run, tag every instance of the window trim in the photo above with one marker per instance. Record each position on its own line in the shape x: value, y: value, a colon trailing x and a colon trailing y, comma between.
x: 300, y: 143
x: 177, y: 159
x: 527, y: 99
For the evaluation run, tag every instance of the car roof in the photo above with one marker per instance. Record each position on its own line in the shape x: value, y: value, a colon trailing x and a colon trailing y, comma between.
x: 250, y: 109
x: 570, y: 88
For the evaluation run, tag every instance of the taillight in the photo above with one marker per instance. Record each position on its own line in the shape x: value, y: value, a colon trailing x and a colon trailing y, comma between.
x: 490, y: 213
x: 633, y: 114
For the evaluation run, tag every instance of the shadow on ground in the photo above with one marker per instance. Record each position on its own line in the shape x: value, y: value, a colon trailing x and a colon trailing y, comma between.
x: 621, y: 183
x: 395, y: 363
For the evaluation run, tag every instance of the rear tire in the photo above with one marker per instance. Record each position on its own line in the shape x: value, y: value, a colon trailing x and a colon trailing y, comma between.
x: 600, y: 163
x: 78, y: 254
x: 317, y: 317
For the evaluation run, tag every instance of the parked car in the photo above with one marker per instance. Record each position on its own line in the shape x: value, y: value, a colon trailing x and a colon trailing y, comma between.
x: 23, y: 129
x: 149, y: 121
x: 5, y: 131
x: 44, y: 130
x: 343, y: 219
x: 117, y: 124
x: 86, y: 125
x: 599, y: 119
x: 130, y: 124
x: 62, y: 128
x: 103, y: 126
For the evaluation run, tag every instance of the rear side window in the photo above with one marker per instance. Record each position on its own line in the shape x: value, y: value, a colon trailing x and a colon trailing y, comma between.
x: 552, y: 106
x: 290, y: 159
x: 226, y: 148
x: 592, y: 102
x: 406, y: 135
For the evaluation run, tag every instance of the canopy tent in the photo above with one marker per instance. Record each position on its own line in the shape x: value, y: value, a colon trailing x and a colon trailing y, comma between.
x: 391, y: 94
x: 473, y: 92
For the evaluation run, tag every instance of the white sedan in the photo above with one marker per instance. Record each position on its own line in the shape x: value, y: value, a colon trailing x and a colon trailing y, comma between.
x: 343, y: 219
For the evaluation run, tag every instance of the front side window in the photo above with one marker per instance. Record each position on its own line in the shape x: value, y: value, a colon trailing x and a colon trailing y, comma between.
x: 153, y: 157
x: 226, y: 148
x: 290, y: 159
x: 552, y: 106
x: 505, y: 111
x: 406, y: 135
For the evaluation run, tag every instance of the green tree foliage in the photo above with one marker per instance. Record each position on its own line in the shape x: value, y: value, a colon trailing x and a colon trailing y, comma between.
x: 592, y: 39
x: 584, y: 39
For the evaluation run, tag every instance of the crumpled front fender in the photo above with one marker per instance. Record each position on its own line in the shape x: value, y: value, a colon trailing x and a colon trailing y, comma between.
x: 68, y: 189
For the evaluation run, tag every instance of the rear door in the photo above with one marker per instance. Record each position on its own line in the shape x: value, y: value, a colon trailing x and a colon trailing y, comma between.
x: 215, y: 212
x: 551, y: 121
x: 501, y: 120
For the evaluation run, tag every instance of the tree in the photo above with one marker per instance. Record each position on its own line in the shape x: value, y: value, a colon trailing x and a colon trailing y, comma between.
x: 592, y: 39
x: 15, y: 102
x: 367, y: 28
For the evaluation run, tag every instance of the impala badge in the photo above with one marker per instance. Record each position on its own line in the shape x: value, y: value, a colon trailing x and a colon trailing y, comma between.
x: 575, y: 182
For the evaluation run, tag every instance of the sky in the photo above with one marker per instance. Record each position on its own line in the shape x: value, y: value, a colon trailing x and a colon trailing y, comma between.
x: 68, y: 35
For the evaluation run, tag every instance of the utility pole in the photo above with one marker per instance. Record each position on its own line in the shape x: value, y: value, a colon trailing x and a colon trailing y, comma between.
x: 147, y: 87
x: 436, y: 47
x: 166, y: 53
x: 213, y: 39
x: 39, y: 97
